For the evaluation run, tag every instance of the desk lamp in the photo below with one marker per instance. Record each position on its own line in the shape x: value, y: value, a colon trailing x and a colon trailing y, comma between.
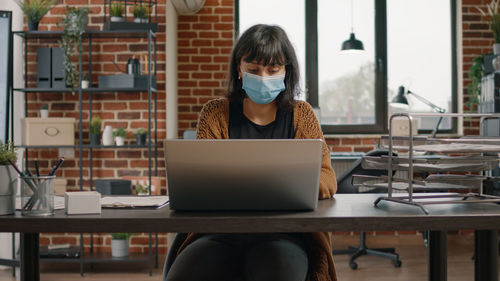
x: 401, y: 98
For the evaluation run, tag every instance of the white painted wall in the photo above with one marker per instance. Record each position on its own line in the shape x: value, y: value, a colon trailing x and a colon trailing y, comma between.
x: 17, y: 24
x: 171, y: 69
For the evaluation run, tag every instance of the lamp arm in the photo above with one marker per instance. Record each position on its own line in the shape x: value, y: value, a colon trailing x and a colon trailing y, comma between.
x: 427, y: 102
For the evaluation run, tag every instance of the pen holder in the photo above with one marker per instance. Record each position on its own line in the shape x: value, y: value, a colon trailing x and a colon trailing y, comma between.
x: 37, y: 195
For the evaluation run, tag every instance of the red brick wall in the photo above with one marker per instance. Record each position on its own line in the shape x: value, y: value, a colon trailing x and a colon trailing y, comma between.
x: 477, y: 39
x: 205, y: 41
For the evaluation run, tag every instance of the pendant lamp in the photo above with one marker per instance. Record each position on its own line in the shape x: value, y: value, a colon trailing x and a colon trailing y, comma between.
x: 352, y: 43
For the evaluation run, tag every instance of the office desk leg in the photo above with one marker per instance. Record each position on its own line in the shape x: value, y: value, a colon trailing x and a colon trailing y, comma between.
x: 486, y: 255
x: 30, y: 257
x: 437, y: 256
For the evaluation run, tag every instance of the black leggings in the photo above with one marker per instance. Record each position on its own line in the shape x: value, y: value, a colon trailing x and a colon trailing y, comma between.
x: 245, y: 257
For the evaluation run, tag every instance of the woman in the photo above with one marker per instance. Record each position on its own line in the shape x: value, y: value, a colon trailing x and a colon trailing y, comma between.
x: 260, y: 104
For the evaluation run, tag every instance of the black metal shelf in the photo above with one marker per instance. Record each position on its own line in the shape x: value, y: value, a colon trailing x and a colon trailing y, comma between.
x: 107, y: 258
x: 152, y: 147
x: 86, y: 90
x: 56, y: 34
x: 93, y: 146
x: 102, y: 258
x: 44, y: 259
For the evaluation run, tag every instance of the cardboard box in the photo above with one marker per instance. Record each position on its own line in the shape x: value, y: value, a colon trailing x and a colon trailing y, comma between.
x: 48, y: 131
x: 60, y: 186
x: 143, y: 181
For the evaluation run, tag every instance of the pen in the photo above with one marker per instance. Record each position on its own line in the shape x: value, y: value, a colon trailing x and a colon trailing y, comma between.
x: 37, y: 170
x: 59, y: 163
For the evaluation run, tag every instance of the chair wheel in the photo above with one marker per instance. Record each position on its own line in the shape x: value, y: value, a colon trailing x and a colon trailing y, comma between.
x: 397, y: 263
x: 353, y: 265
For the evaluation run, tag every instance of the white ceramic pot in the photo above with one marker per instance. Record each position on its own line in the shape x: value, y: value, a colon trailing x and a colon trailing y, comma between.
x: 7, y: 190
x: 140, y: 20
x: 496, y: 49
x: 119, y: 247
x: 496, y: 63
x: 44, y: 113
x: 85, y: 84
x: 116, y: 19
x: 119, y: 141
x: 107, y: 135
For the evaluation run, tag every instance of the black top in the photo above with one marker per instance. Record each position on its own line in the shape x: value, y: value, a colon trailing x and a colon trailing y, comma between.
x: 242, y: 128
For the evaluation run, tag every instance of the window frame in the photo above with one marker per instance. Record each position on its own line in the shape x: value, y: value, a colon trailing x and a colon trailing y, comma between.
x: 381, y: 78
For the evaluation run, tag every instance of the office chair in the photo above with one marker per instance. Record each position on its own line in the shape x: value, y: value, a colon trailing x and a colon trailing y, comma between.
x: 172, y: 252
x: 344, y: 183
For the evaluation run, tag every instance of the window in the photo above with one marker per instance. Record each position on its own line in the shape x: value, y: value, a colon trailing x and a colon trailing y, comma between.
x: 352, y: 90
x: 346, y: 80
x: 419, y: 55
x: 264, y: 12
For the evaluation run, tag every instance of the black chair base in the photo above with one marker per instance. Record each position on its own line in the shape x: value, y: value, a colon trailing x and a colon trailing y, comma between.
x: 356, y: 252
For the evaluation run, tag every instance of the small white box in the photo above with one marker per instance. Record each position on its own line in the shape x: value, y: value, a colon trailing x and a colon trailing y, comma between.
x: 48, y: 131
x: 401, y: 127
x: 82, y: 202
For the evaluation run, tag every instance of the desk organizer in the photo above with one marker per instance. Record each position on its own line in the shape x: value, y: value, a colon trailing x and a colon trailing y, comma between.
x: 478, y: 155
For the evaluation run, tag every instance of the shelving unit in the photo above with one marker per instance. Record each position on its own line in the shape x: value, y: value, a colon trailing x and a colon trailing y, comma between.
x: 152, y: 146
x: 466, y: 154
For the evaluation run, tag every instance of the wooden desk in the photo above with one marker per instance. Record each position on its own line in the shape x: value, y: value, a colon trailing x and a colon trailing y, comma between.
x: 347, y: 212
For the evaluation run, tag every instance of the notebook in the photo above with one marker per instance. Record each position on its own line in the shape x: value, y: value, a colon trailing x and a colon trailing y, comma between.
x: 243, y: 174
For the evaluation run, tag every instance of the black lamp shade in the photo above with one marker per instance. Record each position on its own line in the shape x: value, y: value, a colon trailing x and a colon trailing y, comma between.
x: 352, y: 44
x: 400, y: 97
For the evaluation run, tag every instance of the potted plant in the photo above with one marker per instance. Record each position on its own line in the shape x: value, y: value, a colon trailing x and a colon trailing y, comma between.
x: 119, y: 244
x: 120, y: 135
x: 8, y: 176
x: 85, y: 81
x: 475, y: 74
x: 140, y: 136
x: 116, y: 12
x: 95, y: 130
x: 141, y: 13
x: 44, y: 111
x: 141, y: 189
x: 74, y: 24
x: 493, y: 14
x: 35, y: 10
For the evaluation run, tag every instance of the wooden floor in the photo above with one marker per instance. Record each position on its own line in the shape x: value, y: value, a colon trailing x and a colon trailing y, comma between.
x: 410, y: 248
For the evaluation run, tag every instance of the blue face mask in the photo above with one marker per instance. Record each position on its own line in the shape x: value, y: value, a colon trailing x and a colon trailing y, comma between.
x: 263, y: 90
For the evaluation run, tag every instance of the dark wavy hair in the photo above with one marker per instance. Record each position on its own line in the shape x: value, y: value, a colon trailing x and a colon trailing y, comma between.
x: 269, y: 45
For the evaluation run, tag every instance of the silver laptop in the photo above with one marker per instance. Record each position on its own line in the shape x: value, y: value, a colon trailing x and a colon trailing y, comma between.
x: 243, y: 174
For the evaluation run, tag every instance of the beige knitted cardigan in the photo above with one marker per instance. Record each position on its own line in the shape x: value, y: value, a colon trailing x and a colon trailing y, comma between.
x: 213, y: 124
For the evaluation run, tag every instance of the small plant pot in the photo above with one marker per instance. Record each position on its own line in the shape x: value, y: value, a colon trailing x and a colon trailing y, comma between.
x: 120, y: 141
x: 95, y: 139
x: 119, y: 248
x: 115, y: 19
x: 140, y: 20
x: 32, y: 26
x: 74, y: 22
x: 8, y: 188
x: 141, y: 139
x: 85, y: 84
x: 44, y: 113
x: 496, y: 49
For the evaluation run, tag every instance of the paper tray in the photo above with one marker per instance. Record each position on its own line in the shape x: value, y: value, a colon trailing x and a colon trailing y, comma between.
x: 436, y: 165
x: 381, y: 183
